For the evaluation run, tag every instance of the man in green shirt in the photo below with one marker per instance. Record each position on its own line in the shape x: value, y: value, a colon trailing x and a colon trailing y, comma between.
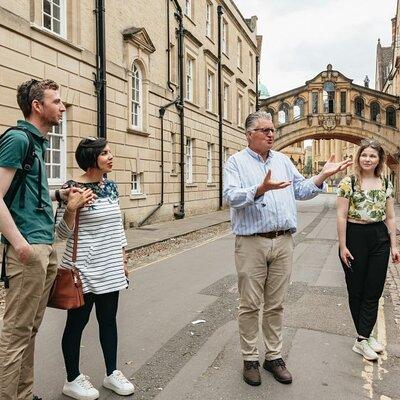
x: 28, y: 231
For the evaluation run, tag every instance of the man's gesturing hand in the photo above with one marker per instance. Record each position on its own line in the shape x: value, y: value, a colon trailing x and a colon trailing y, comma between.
x: 269, y: 184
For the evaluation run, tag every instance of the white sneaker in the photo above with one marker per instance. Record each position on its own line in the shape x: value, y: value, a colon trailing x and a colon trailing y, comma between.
x: 80, y: 389
x: 118, y: 383
x: 364, y: 349
x: 375, y: 345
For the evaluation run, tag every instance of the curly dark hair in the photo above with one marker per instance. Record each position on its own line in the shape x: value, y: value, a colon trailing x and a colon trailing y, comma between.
x: 33, y: 90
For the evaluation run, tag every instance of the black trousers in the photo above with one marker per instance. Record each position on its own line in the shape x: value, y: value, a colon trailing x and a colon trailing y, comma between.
x: 369, y: 244
x: 106, y: 313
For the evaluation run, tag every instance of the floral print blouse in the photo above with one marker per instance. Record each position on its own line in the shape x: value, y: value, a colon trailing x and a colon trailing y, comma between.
x: 365, y: 205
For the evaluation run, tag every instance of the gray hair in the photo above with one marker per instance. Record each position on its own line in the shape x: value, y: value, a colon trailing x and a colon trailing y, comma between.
x: 255, y: 116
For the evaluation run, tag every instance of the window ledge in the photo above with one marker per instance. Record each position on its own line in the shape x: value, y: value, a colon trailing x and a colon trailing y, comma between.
x: 173, y: 174
x: 211, y: 185
x: 191, y: 103
x: 211, y: 113
x: 227, y: 121
x: 190, y: 18
x: 210, y: 39
x: 225, y: 54
x: 239, y: 67
x: 55, y: 36
x: 137, y: 196
x: 191, y: 185
x: 137, y: 132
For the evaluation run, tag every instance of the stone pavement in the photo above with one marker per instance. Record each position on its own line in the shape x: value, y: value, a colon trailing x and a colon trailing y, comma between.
x: 393, y: 277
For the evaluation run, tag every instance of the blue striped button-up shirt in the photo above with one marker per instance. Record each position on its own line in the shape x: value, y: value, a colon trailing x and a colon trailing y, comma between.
x: 276, y: 209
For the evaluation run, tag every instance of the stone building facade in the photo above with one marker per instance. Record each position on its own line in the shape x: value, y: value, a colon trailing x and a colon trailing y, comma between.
x: 56, y: 39
x: 387, y: 77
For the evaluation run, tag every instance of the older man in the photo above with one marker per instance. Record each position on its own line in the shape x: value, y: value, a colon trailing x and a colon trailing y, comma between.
x: 261, y: 186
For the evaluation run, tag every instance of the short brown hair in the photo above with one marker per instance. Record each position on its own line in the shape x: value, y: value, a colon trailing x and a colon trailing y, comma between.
x: 33, y: 90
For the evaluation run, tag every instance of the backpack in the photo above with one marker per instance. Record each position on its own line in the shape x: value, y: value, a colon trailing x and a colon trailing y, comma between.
x: 19, y: 182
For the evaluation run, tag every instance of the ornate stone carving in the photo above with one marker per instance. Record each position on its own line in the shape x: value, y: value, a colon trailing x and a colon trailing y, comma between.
x: 329, y: 122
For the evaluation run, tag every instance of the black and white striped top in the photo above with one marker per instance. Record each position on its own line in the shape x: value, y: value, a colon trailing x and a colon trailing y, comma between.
x: 101, y: 238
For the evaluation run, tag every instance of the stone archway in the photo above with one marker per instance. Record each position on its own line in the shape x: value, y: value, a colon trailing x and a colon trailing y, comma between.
x: 336, y: 108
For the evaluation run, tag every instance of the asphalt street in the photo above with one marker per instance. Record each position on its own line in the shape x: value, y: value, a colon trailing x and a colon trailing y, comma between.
x: 171, y: 358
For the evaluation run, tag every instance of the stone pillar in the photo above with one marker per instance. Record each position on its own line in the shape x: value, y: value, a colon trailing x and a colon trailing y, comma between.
x: 338, y: 150
x: 327, y: 150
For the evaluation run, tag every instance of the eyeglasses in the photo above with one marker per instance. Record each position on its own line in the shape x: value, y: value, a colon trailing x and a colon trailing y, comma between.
x: 265, y: 131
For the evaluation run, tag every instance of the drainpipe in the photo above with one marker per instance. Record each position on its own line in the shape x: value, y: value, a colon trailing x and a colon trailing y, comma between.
x: 159, y: 205
x: 100, y: 75
x: 180, y: 213
x: 169, y: 82
x: 220, y: 111
x: 257, y: 74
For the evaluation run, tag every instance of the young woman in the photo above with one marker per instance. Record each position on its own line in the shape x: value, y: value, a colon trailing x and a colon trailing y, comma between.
x: 367, y: 235
x: 102, y: 266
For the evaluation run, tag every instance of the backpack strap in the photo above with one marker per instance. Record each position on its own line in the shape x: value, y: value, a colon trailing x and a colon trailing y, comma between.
x: 20, y: 175
x: 19, y: 179
x: 3, y: 276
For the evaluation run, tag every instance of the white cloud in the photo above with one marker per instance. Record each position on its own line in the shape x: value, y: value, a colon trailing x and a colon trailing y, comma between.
x: 301, y: 37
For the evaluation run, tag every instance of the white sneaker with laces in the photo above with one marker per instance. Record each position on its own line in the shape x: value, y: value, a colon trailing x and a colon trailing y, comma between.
x: 365, y: 350
x: 80, y: 389
x: 118, y: 383
x: 376, y: 346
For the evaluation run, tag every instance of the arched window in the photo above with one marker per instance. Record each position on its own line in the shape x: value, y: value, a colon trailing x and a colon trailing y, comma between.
x: 270, y: 111
x: 329, y: 97
x: 375, y: 112
x: 137, y: 97
x: 283, y: 114
x: 391, y: 117
x: 298, y: 108
x: 359, y: 106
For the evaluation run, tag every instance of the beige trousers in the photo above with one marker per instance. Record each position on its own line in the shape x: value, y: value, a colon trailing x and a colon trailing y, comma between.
x: 25, y: 304
x: 263, y: 267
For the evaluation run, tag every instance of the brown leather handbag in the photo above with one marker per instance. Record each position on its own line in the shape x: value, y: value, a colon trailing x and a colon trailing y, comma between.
x: 66, y: 292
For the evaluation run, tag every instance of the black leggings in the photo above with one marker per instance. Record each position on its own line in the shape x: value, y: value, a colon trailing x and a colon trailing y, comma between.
x: 106, y: 312
x: 369, y: 244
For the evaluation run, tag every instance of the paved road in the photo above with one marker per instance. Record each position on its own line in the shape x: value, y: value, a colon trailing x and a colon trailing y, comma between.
x: 169, y: 358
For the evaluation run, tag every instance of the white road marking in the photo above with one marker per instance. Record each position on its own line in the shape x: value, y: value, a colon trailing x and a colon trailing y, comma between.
x: 368, y: 373
x: 180, y: 252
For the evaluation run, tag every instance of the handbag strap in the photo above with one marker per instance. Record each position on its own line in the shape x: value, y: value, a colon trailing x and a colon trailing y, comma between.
x: 75, y: 245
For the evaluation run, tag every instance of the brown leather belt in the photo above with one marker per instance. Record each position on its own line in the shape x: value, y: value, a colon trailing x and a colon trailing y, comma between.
x: 271, y: 235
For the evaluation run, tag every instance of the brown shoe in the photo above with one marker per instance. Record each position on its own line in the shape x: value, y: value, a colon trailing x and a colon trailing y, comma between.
x: 251, y: 374
x: 278, y: 369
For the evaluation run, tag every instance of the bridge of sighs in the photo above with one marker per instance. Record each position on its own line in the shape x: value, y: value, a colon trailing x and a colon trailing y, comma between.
x: 331, y: 106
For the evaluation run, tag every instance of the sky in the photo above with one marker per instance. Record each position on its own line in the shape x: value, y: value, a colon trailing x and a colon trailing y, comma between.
x: 301, y: 37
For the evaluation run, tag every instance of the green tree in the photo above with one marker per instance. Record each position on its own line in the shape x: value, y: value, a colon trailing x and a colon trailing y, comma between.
x: 308, y: 167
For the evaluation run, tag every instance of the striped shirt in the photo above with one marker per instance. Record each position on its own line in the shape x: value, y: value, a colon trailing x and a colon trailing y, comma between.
x: 276, y: 209
x: 101, y: 238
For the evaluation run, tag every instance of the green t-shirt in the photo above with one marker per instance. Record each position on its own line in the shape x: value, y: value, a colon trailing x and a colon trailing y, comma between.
x: 37, y: 227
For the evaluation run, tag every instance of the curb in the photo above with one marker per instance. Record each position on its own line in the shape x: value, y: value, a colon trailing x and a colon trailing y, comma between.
x: 131, y: 248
